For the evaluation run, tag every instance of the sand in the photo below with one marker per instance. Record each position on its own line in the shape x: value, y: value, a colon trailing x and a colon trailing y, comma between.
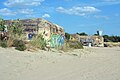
x: 87, y: 64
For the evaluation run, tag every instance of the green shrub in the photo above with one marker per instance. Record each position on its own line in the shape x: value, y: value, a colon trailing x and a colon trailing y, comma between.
x: 67, y: 36
x: 3, y: 44
x: 15, y: 43
x: 65, y: 46
x: 75, y: 45
x: 10, y: 42
x: 19, y: 44
x: 71, y: 45
x: 39, y: 42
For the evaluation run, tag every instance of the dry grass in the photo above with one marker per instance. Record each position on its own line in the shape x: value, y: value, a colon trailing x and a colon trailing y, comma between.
x: 10, y: 42
x: 38, y: 42
x: 31, y: 48
x: 112, y: 44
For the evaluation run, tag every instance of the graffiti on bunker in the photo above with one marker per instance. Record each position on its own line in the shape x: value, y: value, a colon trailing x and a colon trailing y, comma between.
x: 57, y: 40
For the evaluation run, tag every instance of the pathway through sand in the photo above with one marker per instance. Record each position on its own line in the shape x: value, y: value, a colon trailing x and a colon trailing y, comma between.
x: 101, y: 64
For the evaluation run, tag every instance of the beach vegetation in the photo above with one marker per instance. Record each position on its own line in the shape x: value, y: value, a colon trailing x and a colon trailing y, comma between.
x: 71, y: 45
x: 19, y: 45
x: 39, y: 42
x: 2, y: 23
x: 108, y: 38
x: 75, y: 45
x: 67, y: 36
x: 15, y: 30
x: 3, y: 44
x: 82, y: 34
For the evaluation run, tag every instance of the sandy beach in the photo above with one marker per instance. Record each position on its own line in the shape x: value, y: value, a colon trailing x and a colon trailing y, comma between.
x: 87, y: 64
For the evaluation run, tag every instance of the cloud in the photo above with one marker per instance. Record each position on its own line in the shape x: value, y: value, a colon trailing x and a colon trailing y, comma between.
x: 111, y: 2
x: 7, y: 12
x: 116, y: 14
x: 26, y: 11
x: 106, y: 2
x: 100, y: 16
x: 11, y: 3
x: 46, y: 16
x: 80, y: 11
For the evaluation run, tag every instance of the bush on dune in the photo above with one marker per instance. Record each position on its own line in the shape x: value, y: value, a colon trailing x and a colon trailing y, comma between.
x: 19, y: 45
x: 3, y: 44
x: 70, y: 45
x: 38, y: 42
x: 75, y: 45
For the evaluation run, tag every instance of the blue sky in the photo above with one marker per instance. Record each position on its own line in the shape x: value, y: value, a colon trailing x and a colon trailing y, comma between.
x: 74, y: 15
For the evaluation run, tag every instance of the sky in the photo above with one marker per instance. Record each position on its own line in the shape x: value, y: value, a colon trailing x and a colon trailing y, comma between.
x: 73, y: 15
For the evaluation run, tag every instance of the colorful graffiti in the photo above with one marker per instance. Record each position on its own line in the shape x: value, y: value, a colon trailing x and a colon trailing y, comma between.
x: 57, y: 40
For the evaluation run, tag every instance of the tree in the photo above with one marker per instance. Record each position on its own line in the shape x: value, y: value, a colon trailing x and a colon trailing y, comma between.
x: 96, y: 35
x: 15, y: 29
x: 106, y: 38
x: 2, y: 23
x: 111, y: 38
x: 67, y: 36
x: 82, y: 34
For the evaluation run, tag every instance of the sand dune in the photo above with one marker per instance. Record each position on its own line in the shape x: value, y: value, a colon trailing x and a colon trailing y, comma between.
x: 87, y: 64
